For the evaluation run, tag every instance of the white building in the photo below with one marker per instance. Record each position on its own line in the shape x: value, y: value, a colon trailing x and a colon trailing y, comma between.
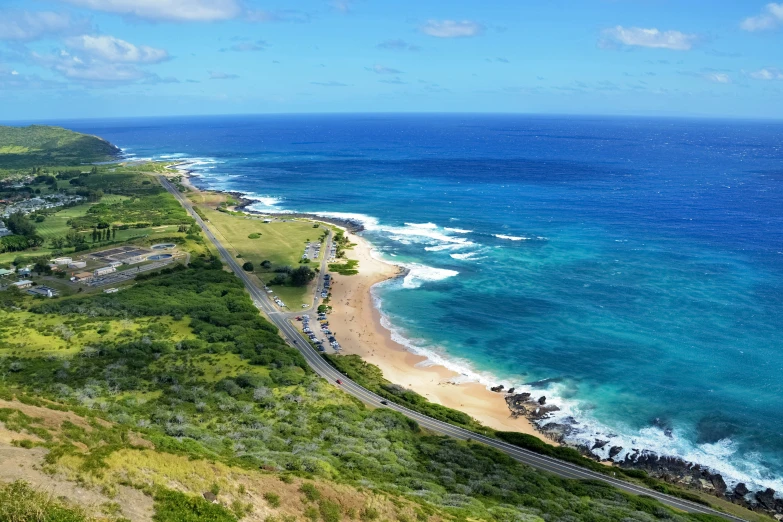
x: 104, y: 271
x: 23, y: 284
x: 77, y: 264
x: 4, y: 231
x: 62, y: 261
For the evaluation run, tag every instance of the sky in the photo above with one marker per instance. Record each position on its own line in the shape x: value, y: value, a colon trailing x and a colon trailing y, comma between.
x: 116, y: 58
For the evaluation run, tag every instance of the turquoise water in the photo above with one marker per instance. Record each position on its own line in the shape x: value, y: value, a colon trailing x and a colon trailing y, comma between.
x: 630, y: 270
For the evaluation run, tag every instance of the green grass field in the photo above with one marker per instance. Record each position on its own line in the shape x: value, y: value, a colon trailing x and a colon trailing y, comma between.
x: 282, y: 243
x: 56, y: 225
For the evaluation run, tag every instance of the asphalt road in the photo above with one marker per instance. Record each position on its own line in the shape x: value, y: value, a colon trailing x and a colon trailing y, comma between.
x: 325, y: 370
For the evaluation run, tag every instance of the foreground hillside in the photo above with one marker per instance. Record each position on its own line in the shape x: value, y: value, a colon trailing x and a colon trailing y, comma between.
x: 40, y: 145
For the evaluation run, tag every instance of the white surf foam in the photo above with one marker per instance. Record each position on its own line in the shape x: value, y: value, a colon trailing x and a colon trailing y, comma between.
x: 469, y: 256
x: 458, y: 230
x: 511, y: 238
x: 428, y: 226
x: 419, y: 274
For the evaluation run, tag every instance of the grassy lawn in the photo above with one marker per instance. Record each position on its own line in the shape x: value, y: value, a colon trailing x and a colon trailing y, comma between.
x: 56, y: 225
x: 282, y: 243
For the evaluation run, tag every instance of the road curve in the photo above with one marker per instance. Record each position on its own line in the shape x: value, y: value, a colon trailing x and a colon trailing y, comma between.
x: 325, y: 370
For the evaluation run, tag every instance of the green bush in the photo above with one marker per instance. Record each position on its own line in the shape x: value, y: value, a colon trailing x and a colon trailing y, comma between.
x: 173, y: 506
x: 254, y: 235
x: 310, y: 492
x: 273, y: 499
x: 330, y: 511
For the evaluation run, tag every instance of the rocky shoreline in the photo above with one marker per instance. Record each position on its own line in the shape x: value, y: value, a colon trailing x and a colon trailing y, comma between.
x: 668, y: 469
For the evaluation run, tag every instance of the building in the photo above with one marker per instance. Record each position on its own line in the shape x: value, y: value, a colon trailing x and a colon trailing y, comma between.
x: 25, y: 283
x: 62, y: 261
x: 81, y: 276
x: 104, y: 271
x: 4, y: 231
x: 77, y: 264
x: 4, y: 272
x: 24, y: 271
x: 115, y: 264
x: 43, y: 291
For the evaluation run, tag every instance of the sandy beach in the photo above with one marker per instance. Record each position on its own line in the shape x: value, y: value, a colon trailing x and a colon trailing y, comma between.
x: 358, y: 326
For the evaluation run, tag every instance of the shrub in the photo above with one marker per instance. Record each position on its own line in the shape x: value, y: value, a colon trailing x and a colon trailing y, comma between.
x: 311, y: 513
x: 369, y: 513
x: 310, y: 492
x: 173, y: 506
x: 273, y: 499
x: 254, y: 235
x: 248, y: 266
x: 330, y: 511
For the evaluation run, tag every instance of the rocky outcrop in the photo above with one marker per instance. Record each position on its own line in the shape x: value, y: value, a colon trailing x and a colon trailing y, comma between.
x: 614, y: 451
x: 497, y: 389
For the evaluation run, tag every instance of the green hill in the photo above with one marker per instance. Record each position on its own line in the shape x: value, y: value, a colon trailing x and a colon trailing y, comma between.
x: 42, y: 145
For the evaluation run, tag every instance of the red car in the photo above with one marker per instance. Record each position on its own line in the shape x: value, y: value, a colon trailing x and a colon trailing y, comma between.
x: 339, y: 381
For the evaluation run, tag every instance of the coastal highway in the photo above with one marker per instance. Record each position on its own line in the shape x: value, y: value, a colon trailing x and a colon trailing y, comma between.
x: 325, y: 370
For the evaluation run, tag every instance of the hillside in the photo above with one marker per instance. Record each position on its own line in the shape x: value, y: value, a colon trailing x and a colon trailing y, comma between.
x: 41, y: 145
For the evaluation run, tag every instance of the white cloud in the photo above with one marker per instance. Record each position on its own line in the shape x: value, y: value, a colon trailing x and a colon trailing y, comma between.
x: 770, y: 18
x: 88, y: 70
x: 718, y: 77
x: 169, y: 10
x: 651, y: 38
x: 113, y: 50
x: 26, y: 26
x: 452, y: 28
x: 767, y: 73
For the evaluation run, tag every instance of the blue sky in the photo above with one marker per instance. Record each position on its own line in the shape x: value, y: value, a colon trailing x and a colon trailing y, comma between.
x: 96, y: 58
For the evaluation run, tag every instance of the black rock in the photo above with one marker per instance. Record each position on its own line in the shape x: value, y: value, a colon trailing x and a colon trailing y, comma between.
x: 614, y: 451
x: 599, y: 444
x: 498, y: 388
x: 741, y: 489
x: 766, y: 498
x: 542, y: 400
x: 719, y: 484
x: 511, y: 390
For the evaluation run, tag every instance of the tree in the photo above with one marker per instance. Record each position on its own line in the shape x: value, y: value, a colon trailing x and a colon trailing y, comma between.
x: 266, y: 264
x: 248, y: 266
x: 302, y: 276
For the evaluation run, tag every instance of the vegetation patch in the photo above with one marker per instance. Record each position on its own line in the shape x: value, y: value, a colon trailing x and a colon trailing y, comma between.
x: 347, y: 268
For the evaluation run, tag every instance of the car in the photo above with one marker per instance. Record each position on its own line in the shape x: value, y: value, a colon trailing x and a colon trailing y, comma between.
x: 339, y: 381
x: 384, y: 402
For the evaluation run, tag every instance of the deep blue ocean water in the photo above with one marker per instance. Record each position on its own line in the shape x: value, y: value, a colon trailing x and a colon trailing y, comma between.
x: 629, y: 269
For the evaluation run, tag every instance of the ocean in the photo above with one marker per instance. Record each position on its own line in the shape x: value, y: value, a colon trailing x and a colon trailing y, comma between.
x: 629, y: 269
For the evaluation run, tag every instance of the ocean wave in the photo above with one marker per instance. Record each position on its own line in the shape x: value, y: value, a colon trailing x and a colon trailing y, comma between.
x: 511, y: 238
x: 428, y: 226
x: 368, y: 222
x: 458, y: 230
x: 419, y: 274
x: 448, y: 246
x: 469, y: 256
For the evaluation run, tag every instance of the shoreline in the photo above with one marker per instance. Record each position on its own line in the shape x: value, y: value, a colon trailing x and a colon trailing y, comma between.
x: 358, y: 323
